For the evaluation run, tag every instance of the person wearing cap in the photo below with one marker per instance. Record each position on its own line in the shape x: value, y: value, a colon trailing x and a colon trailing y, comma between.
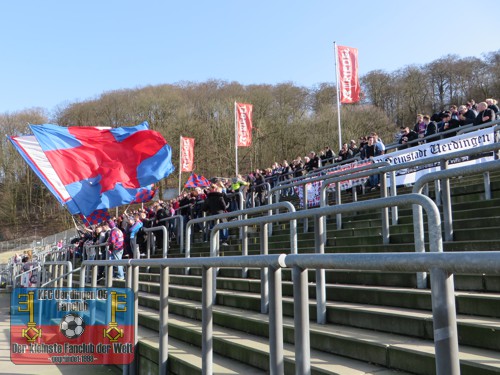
x: 115, y: 246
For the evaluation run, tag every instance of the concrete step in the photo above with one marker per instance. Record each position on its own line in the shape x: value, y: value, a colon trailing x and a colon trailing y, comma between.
x: 379, y: 348
x: 243, y: 292
x: 254, y: 350
x: 473, y: 331
x: 182, y: 358
x: 472, y: 283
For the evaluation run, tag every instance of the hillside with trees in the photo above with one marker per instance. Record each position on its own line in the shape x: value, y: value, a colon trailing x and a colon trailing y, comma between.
x: 289, y: 121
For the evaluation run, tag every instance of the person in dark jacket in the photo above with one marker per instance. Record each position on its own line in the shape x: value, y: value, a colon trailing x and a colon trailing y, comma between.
x: 467, y: 116
x: 485, y: 114
x: 259, y: 187
x: 430, y: 127
x: 407, y: 136
x: 216, y: 203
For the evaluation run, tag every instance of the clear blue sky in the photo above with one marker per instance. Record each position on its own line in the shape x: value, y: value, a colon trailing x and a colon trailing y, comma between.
x: 55, y: 52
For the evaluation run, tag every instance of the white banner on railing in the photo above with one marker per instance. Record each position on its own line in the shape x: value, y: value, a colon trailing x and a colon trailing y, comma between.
x: 314, y: 188
x: 442, y: 147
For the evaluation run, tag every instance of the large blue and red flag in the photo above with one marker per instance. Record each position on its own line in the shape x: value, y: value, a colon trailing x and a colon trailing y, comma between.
x: 196, y: 181
x: 96, y: 168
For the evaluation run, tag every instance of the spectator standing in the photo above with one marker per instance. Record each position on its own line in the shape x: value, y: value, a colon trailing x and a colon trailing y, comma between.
x: 344, y: 153
x: 420, y: 126
x: 407, y: 136
x: 353, y: 147
x: 216, y: 204
x: 430, y: 128
x: 313, y: 162
x: 379, y: 144
x: 259, y: 187
x: 466, y: 115
x: 369, y: 151
x: 492, y: 104
x: 485, y: 114
x: 115, y: 246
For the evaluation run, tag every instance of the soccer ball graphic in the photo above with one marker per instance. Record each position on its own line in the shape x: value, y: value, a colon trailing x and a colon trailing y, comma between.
x: 72, y: 326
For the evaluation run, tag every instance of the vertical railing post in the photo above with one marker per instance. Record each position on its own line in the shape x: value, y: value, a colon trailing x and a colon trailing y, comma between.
x: 163, y: 329
x: 487, y: 186
x: 446, y: 198
x: 206, y: 321
x: 385, y: 210
x: 338, y: 201
x: 301, y: 321
x: 394, y: 192
x: 444, y: 323
x: 319, y: 244
x: 276, y: 360
x: 264, y: 277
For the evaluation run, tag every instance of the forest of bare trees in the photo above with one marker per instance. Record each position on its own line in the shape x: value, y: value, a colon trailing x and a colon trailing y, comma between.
x: 289, y: 121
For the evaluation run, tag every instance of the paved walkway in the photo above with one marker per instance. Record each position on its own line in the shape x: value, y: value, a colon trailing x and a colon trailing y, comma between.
x: 7, y: 367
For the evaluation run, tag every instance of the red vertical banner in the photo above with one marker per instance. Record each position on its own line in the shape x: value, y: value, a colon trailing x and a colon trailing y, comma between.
x: 187, y: 154
x: 244, y: 124
x: 348, y: 74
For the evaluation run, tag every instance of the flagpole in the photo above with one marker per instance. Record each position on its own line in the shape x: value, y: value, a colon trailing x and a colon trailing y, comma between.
x: 338, y: 93
x: 180, y: 163
x: 236, y: 135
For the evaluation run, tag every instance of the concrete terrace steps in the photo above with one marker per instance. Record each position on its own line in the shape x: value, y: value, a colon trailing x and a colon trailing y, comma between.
x: 183, y: 358
x: 231, y: 291
x: 376, y: 317
x: 252, y: 351
x: 463, y: 282
x: 351, y: 244
x: 385, y: 349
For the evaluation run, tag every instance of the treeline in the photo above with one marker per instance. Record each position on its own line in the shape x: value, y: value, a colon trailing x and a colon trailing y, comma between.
x: 289, y: 121
x: 433, y: 87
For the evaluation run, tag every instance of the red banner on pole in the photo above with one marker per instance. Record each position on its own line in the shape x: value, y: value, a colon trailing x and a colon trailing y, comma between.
x: 348, y: 74
x: 244, y: 124
x: 187, y: 154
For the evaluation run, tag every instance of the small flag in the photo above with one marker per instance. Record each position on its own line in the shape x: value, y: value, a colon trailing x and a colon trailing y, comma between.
x: 244, y: 124
x: 196, y: 181
x: 96, y: 217
x: 348, y: 74
x: 187, y: 154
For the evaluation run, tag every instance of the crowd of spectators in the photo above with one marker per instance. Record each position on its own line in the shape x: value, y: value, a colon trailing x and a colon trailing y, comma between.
x: 448, y: 121
x: 118, y: 234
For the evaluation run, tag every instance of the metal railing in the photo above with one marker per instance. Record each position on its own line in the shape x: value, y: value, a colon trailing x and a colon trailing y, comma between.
x: 57, y: 271
x: 440, y: 265
x: 434, y: 230
x: 264, y: 232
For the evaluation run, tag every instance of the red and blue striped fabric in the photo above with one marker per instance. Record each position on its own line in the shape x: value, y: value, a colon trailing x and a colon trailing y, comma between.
x: 96, y: 168
x: 196, y: 181
x: 96, y: 217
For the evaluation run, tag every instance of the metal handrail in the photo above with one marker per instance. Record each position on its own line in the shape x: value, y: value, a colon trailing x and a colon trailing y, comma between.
x: 440, y: 265
x: 68, y: 275
x: 243, y: 214
x: 434, y: 230
x: 180, y: 228
x: 24, y: 272
x: 446, y: 174
x: 273, y: 264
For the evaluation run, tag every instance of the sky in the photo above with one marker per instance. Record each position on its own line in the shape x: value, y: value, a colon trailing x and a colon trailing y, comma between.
x: 57, y: 52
